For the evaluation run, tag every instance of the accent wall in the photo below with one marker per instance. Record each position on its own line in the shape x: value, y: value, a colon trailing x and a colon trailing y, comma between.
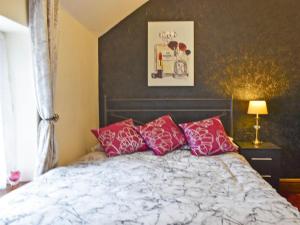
x: 248, y: 49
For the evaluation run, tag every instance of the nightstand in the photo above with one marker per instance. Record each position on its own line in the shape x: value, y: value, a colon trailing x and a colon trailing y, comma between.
x: 10, y: 188
x: 265, y: 159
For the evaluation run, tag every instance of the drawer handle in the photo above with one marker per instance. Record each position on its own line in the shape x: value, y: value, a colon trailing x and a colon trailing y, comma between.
x: 261, y: 159
x: 266, y: 176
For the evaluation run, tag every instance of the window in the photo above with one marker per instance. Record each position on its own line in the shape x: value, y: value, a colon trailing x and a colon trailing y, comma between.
x: 3, y: 101
x: 18, y: 115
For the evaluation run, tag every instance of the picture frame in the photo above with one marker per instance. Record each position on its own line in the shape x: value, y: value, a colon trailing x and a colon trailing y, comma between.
x: 171, y: 53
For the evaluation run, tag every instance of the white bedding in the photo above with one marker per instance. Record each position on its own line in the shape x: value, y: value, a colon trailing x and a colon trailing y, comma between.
x: 141, y: 188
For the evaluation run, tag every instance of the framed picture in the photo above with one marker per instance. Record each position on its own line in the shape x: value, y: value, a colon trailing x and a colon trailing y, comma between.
x: 171, y: 53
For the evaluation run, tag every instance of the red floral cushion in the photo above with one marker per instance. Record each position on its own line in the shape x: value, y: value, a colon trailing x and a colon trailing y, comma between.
x: 162, y: 135
x: 207, y: 137
x: 120, y: 138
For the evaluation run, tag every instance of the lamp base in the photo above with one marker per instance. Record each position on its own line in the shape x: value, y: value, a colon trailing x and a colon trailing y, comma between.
x: 257, y: 142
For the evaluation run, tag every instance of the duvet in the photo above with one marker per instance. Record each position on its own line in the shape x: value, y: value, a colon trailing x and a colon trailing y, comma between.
x: 141, y: 188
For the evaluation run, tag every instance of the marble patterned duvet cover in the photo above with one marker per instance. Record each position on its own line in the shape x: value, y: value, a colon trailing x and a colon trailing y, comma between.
x: 142, y: 188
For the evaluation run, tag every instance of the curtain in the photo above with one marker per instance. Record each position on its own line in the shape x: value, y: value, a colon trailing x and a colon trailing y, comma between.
x: 7, y: 118
x: 43, y: 21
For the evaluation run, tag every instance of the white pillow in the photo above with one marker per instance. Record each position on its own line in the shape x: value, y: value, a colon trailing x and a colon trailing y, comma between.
x: 92, y: 156
x: 231, y: 139
x: 96, y: 148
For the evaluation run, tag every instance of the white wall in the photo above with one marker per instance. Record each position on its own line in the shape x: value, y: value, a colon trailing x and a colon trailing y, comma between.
x: 16, y: 10
x: 76, y: 88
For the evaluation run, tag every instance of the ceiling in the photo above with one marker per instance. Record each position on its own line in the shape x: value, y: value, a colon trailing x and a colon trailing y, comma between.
x: 99, y: 16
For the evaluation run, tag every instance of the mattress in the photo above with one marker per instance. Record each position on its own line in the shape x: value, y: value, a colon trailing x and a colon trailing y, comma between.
x: 142, y: 188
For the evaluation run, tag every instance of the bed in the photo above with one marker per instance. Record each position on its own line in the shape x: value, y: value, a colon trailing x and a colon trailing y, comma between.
x: 142, y: 188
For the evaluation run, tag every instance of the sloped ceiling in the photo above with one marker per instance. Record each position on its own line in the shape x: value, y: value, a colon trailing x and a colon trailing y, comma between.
x: 99, y: 16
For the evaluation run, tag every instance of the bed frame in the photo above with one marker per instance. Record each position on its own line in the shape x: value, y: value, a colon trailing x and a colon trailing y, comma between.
x: 143, y: 110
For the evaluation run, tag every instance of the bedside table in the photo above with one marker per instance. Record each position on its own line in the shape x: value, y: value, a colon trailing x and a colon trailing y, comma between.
x: 10, y: 188
x: 264, y: 158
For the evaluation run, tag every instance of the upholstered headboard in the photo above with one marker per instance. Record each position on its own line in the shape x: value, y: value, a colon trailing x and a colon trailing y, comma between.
x: 143, y: 110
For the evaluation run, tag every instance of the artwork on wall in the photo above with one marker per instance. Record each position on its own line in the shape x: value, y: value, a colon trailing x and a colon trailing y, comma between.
x: 171, y: 53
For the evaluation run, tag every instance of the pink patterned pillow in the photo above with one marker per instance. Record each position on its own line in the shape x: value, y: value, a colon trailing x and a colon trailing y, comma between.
x: 207, y: 137
x: 162, y: 135
x: 120, y: 138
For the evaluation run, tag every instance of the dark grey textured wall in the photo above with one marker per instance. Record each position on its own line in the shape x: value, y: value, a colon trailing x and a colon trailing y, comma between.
x: 248, y: 48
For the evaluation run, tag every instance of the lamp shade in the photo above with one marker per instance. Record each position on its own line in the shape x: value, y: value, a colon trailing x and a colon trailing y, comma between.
x: 257, y: 107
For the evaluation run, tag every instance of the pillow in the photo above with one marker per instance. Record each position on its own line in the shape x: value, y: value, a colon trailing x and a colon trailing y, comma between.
x: 162, y: 135
x: 207, y: 137
x: 232, y: 141
x: 96, y: 148
x: 92, y: 156
x: 120, y: 138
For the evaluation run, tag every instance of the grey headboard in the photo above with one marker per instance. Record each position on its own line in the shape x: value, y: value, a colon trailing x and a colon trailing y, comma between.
x: 143, y: 110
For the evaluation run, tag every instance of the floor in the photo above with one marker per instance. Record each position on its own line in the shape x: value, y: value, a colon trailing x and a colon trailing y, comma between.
x: 9, y: 188
x: 290, y: 189
x: 293, y: 198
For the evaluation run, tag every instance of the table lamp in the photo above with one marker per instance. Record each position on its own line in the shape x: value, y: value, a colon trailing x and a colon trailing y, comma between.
x: 257, y: 108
